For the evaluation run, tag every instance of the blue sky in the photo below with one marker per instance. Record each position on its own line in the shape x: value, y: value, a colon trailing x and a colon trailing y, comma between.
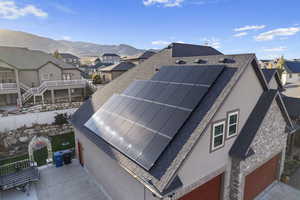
x: 269, y: 28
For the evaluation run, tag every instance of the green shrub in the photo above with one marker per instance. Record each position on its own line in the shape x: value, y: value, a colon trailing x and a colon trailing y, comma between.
x: 96, y: 79
x: 61, y: 119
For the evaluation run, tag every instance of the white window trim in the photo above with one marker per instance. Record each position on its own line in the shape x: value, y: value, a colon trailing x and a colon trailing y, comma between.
x: 213, y: 148
x: 228, y: 124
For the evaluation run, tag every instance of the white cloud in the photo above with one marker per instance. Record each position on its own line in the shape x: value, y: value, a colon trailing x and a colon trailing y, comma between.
x: 213, y: 42
x: 248, y: 28
x: 160, y: 43
x: 241, y: 34
x: 165, y: 3
x: 270, y: 35
x: 66, y: 38
x: 9, y: 10
x: 276, y: 49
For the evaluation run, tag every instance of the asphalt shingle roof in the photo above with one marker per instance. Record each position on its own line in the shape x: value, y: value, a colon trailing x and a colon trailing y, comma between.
x: 165, y: 167
x: 187, y: 50
x: 68, y: 55
x: 111, y: 54
x: 241, y: 147
x: 269, y: 74
x: 292, y: 105
x: 23, y: 58
x: 292, y: 66
x: 123, y: 66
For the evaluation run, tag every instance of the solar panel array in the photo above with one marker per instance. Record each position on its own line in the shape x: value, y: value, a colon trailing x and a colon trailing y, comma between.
x: 143, y: 120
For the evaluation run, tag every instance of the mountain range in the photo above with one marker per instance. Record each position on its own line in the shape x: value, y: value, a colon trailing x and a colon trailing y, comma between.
x: 80, y: 49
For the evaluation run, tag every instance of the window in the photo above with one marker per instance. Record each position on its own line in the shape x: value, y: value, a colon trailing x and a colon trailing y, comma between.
x: 291, y: 75
x: 218, y: 135
x: 232, y: 124
x: 45, y: 77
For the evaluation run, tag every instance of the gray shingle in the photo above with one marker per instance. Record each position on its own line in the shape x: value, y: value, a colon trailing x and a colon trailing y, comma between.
x: 23, y: 58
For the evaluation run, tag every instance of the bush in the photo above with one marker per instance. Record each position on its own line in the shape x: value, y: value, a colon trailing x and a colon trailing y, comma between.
x: 61, y: 119
x: 96, y: 79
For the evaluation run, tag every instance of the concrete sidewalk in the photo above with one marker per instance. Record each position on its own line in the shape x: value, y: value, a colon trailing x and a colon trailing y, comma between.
x: 279, y: 191
x: 70, y: 182
x: 295, y: 180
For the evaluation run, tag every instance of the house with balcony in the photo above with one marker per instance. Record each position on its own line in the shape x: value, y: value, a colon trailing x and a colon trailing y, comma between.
x: 29, y: 76
x: 109, y: 73
x: 291, y: 74
x: 189, y: 123
x: 70, y: 59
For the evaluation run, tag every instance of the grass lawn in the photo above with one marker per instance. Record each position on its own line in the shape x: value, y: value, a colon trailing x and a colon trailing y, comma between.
x: 59, y: 142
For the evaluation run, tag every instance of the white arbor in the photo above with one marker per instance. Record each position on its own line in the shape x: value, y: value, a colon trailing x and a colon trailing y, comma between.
x: 38, y: 142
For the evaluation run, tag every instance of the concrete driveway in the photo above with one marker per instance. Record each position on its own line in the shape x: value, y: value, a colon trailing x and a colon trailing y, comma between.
x: 70, y: 182
x: 279, y: 191
x: 295, y: 180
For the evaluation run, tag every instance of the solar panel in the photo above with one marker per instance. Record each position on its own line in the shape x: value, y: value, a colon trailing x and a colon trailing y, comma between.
x: 143, y: 120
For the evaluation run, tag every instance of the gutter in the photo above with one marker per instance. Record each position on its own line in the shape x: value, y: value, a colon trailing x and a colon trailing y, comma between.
x: 149, y: 186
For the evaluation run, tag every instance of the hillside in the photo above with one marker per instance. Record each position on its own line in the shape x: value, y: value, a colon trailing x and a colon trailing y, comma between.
x: 22, y: 39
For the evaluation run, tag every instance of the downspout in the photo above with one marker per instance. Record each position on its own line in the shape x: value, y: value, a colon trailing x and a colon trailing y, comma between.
x: 146, y: 184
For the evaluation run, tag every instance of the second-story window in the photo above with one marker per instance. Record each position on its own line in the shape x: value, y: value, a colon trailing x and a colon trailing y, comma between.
x: 232, y: 124
x: 46, y: 77
x: 218, y: 134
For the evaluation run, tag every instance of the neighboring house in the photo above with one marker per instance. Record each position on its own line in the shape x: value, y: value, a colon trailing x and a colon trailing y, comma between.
x: 89, y: 60
x: 291, y: 74
x: 138, y: 59
x: 70, y: 59
x: 188, y: 123
x: 111, y: 72
x: 110, y: 58
x: 267, y: 64
x: 34, y: 76
x: 293, y: 108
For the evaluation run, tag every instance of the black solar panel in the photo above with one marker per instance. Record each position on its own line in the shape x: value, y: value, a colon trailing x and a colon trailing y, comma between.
x: 143, y: 120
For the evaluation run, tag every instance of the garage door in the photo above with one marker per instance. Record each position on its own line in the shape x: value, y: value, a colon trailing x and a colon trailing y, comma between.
x: 209, y: 191
x: 261, y: 178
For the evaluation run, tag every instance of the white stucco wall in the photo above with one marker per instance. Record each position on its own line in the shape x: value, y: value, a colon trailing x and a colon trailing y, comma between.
x: 294, y: 79
x: 201, y: 161
x: 116, y: 182
x: 17, y: 121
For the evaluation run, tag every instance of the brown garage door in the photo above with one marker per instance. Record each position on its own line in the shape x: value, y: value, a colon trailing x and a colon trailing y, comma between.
x: 209, y: 191
x: 261, y: 178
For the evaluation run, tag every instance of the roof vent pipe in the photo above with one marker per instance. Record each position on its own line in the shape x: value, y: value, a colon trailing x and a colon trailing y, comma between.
x: 180, y: 62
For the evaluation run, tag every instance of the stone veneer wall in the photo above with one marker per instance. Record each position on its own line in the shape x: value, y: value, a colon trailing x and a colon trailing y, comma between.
x: 270, y: 141
x: 15, y: 142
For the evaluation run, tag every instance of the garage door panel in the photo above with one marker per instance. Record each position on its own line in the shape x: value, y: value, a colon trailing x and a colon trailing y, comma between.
x: 261, y: 178
x: 208, y: 191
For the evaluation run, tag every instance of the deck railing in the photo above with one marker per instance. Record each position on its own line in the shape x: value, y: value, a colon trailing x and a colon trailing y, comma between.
x: 15, y: 167
x: 8, y: 86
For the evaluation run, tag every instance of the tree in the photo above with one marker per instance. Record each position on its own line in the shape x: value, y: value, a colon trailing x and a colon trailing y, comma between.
x: 96, y: 78
x: 56, y: 54
x: 280, y: 66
